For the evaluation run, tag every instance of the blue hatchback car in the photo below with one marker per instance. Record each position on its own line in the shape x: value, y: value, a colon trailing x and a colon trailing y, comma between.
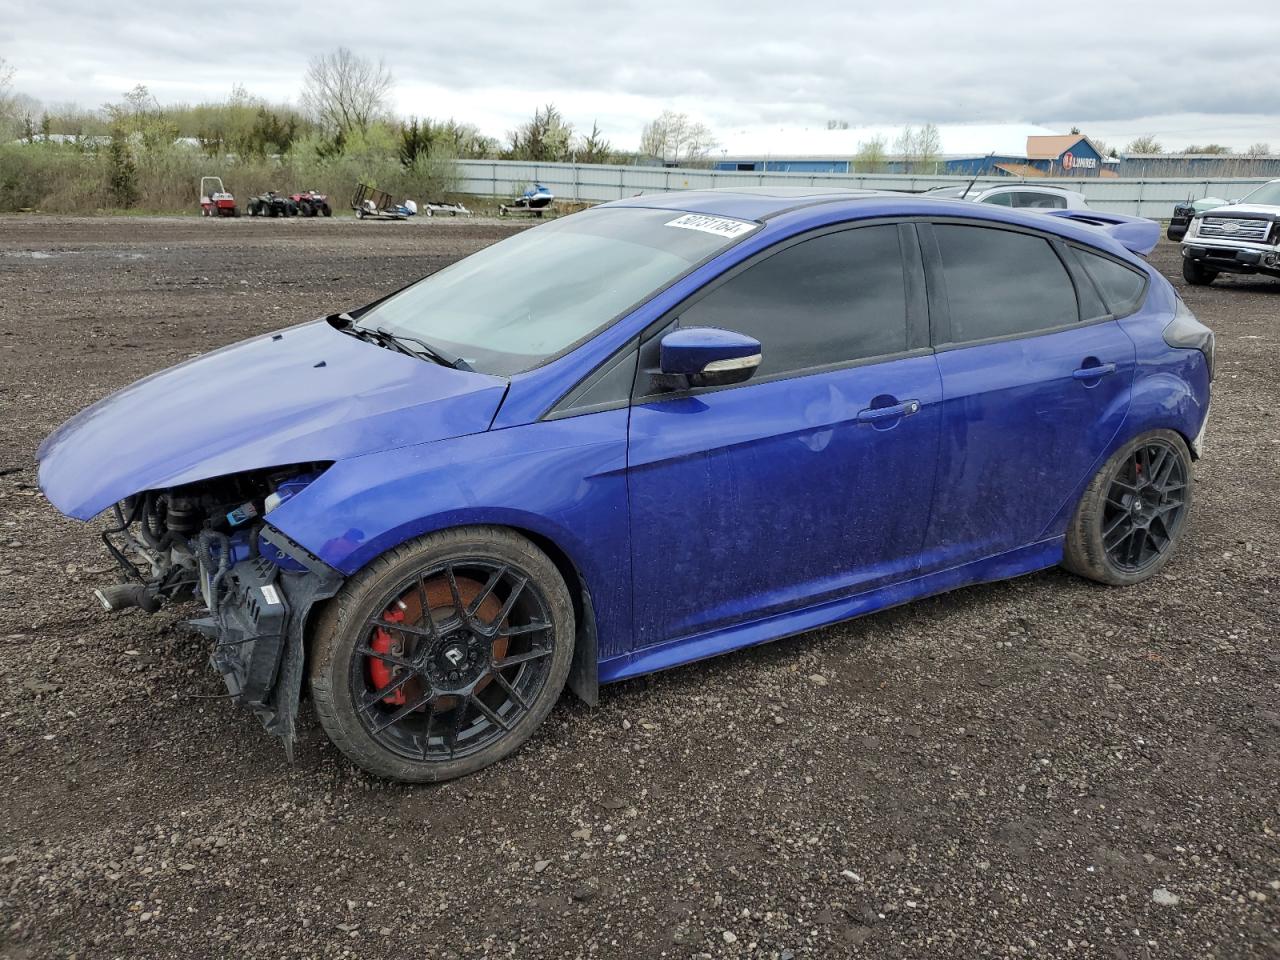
x: 658, y: 430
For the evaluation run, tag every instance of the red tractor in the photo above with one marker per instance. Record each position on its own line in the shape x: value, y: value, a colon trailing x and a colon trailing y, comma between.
x: 215, y: 200
x: 311, y: 204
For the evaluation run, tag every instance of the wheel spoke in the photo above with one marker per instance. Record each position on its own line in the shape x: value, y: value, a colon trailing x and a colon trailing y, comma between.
x: 404, y: 711
x: 459, y: 719
x: 425, y: 750
x: 1118, y: 522
x: 378, y: 696
x: 1137, y: 545
x: 506, y: 685
x: 484, y: 593
x: 492, y: 715
x: 391, y: 658
x: 404, y: 627
x: 458, y: 605
x: 425, y: 606
x: 491, y: 629
x: 537, y: 653
x: 536, y: 627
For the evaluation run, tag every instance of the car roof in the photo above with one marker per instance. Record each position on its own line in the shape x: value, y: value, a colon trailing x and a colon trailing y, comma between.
x: 746, y: 203
x: 810, y: 207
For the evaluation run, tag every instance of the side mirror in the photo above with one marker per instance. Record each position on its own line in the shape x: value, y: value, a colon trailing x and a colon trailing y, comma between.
x: 707, y: 357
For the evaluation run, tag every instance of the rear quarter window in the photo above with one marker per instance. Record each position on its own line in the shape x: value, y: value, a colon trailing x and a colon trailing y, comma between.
x: 1122, y: 288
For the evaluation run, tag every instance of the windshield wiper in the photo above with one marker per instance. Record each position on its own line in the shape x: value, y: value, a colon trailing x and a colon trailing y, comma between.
x: 435, y: 353
x: 400, y: 343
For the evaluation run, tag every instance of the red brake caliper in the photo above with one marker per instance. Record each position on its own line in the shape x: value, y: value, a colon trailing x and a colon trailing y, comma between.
x: 380, y: 670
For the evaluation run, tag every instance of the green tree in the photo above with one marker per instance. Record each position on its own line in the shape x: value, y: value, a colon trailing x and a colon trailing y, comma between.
x: 872, y: 156
x: 546, y: 137
x: 123, y: 171
x: 594, y: 148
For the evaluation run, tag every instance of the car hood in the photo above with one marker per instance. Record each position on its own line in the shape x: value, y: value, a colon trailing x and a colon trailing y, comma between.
x: 303, y: 394
x: 1246, y: 211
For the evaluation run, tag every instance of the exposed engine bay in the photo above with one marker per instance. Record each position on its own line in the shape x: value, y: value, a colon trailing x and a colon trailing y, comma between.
x: 210, y: 541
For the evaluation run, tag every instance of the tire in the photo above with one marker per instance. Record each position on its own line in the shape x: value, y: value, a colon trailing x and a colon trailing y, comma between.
x: 1197, y: 274
x: 1128, y: 509
x: 326, y: 210
x: 356, y: 687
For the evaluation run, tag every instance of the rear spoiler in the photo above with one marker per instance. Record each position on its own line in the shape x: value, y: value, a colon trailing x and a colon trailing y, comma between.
x: 1135, y: 234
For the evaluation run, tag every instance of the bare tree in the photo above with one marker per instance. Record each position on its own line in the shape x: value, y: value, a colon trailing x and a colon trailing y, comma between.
x: 1260, y: 149
x: 1208, y: 148
x: 8, y: 99
x: 674, y: 138
x: 1145, y: 144
x: 344, y: 93
x: 919, y: 149
x: 872, y: 155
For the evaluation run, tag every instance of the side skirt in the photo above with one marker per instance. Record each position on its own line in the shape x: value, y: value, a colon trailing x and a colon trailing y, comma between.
x: 673, y: 653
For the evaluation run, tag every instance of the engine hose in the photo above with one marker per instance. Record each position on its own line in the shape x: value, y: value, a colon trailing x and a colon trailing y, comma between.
x: 207, y: 539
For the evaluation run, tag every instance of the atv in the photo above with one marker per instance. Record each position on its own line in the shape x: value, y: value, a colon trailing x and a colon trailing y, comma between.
x: 272, y: 204
x: 312, y: 204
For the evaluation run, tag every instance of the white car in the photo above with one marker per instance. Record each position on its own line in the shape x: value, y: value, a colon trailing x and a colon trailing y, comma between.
x: 1024, y: 195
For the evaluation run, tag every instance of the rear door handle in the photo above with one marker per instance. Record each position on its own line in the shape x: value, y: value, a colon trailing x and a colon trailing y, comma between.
x: 1093, y: 373
x: 876, y: 414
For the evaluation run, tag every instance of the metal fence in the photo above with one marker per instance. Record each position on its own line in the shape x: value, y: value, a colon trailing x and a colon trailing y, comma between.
x: 597, y: 182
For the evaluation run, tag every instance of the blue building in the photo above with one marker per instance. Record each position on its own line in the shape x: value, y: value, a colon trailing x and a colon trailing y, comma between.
x: 1069, y: 155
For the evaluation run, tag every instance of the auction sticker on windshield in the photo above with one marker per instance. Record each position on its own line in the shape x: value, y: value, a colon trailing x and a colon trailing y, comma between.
x: 720, y: 226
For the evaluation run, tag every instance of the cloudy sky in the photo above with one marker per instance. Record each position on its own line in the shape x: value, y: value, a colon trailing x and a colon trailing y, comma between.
x: 1119, y: 69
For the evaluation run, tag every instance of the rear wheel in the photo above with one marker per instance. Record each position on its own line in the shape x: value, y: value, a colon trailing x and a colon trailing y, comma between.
x: 443, y: 655
x: 1131, y: 517
x: 326, y: 210
x: 1197, y: 274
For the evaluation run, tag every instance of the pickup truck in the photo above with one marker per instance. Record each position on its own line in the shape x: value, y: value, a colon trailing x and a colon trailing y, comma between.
x: 1241, y: 238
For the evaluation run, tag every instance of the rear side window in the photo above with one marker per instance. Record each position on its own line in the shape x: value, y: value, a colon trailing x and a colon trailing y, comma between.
x: 1000, y: 283
x: 832, y: 299
x: 1028, y: 199
x: 1121, y: 287
x: 1000, y: 199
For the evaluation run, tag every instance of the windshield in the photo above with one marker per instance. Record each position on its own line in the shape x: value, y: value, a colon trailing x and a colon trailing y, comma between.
x: 514, y: 304
x: 1268, y: 193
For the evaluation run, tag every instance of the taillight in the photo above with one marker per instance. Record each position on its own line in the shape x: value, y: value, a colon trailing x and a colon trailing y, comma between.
x: 1188, y: 333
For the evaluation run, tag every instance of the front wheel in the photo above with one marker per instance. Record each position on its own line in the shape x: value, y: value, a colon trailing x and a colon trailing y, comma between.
x: 1133, y: 513
x: 1197, y: 274
x: 443, y: 655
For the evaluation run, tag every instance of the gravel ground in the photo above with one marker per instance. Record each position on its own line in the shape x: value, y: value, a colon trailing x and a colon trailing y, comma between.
x: 1039, y: 768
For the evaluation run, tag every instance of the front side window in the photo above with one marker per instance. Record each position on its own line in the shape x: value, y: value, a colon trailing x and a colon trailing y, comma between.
x: 831, y: 299
x: 1000, y: 283
x: 514, y: 304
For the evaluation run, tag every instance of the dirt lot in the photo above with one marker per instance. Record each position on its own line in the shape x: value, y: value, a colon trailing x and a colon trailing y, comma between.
x: 1040, y: 768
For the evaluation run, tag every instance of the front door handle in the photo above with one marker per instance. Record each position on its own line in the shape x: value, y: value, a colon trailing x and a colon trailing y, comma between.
x: 877, y: 414
x: 1094, y: 372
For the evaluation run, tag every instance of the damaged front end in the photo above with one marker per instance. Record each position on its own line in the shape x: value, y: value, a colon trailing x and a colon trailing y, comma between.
x: 211, y: 541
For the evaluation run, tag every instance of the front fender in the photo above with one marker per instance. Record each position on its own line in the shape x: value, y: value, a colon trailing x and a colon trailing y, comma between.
x: 564, y: 480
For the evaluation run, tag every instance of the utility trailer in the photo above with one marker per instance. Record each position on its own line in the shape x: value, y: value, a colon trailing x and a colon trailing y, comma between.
x: 370, y: 203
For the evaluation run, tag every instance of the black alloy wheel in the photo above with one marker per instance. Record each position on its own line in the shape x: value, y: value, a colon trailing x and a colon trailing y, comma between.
x: 444, y: 655
x: 1133, y: 514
